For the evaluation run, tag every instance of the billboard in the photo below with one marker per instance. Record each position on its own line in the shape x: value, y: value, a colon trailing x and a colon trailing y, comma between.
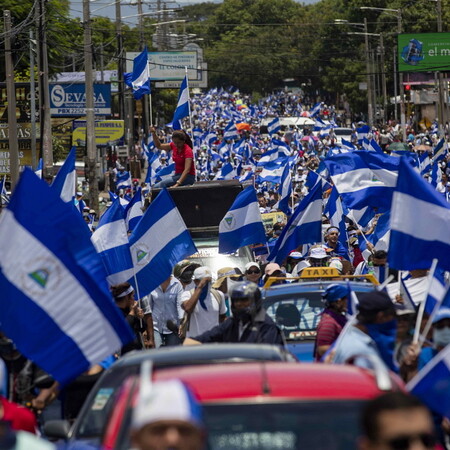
x: 168, y: 66
x: 107, y: 132
x: 424, y: 52
x: 69, y: 100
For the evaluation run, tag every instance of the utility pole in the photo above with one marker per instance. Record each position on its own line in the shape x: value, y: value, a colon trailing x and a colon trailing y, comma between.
x: 46, y: 127
x: 32, y: 104
x: 442, y: 116
x: 402, y: 88
x: 120, y: 60
x: 91, y: 148
x: 144, y: 100
x: 383, y: 79
x: 11, y: 97
x: 369, y: 76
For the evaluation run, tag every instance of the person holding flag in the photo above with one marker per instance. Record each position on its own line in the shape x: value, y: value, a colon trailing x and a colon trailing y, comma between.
x: 183, y: 157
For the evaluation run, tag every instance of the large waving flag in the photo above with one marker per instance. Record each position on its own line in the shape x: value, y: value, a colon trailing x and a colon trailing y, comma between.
x: 304, y: 227
x: 285, y: 191
x: 274, y: 126
x: 242, y: 224
x: 271, y: 173
x: 364, y: 178
x: 111, y: 241
x: 139, y: 79
x: 55, y: 303
x: 419, y: 223
x: 65, y: 182
x: 432, y: 383
x: 133, y: 211
x: 166, y: 172
x: 438, y: 293
x: 123, y: 180
x: 362, y: 133
x: 159, y: 241
x: 182, y: 110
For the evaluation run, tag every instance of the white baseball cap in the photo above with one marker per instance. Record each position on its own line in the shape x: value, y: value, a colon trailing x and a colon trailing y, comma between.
x: 201, y: 272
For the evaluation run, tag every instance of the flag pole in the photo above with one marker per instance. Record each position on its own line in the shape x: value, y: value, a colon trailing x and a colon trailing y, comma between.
x: 422, y: 308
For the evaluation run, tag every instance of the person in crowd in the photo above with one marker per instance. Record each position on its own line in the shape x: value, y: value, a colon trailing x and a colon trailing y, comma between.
x: 163, y: 304
x: 253, y: 272
x: 204, y: 305
x: 373, y: 334
x: 332, y: 244
x: 124, y: 297
x: 183, y: 272
x: 226, y: 276
x: 273, y: 270
x: 376, y: 264
x: 182, y: 156
x: 168, y: 417
x: 396, y: 420
x: 249, y: 323
x: 333, y: 318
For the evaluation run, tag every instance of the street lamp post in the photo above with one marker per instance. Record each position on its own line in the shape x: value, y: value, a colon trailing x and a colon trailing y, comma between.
x: 397, y: 13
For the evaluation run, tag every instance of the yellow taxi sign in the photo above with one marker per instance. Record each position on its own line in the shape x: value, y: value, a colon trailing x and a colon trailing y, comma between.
x: 319, y: 272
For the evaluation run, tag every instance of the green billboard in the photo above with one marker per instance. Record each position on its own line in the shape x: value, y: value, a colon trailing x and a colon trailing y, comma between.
x: 424, y: 52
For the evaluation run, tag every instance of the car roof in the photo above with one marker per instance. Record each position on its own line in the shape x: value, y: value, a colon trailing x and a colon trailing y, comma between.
x: 312, y: 286
x: 271, y: 381
x: 207, y: 353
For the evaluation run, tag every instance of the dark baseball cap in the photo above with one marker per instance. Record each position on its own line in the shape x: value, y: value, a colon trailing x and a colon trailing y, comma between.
x: 375, y: 301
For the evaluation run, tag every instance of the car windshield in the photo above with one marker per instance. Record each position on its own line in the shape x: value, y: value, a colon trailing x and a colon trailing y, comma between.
x: 297, y: 425
x: 272, y: 425
x: 298, y: 314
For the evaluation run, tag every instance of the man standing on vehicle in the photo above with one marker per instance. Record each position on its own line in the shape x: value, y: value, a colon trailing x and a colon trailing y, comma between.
x: 334, y: 247
x: 204, y: 305
x: 373, y: 334
x: 249, y: 322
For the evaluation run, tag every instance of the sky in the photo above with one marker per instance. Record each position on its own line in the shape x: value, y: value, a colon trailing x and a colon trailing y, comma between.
x: 105, y: 8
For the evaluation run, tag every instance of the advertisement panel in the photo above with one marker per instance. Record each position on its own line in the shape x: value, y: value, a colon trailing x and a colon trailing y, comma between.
x: 107, y: 132
x: 24, y: 144
x: 69, y: 100
x: 424, y: 52
x: 169, y: 66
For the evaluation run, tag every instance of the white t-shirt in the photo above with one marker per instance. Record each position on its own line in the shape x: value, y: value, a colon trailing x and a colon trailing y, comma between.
x: 202, y: 320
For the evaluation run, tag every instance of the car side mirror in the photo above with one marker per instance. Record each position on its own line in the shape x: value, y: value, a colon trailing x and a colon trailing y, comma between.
x: 57, y: 429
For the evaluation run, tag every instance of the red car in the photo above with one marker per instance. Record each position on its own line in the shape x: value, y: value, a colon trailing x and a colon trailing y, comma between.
x: 267, y: 405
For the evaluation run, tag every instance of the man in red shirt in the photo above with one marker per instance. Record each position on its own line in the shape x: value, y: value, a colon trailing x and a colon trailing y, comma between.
x: 333, y: 318
x: 20, y: 418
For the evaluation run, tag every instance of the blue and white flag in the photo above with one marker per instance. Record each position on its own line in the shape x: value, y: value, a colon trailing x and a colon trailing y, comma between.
x: 122, y: 200
x: 154, y: 166
x: 362, y: 133
x: 231, y: 132
x: 408, y: 301
x: 111, y: 242
x: 315, y: 109
x: 438, y: 294
x: 39, y: 168
x: 371, y: 145
x: 182, y: 110
x: 65, y: 182
x: 271, y: 173
x: 285, y: 191
x: 166, y: 172
x: 4, y: 198
x: 304, y: 227
x: 139, y: 79
x: 133, y: 211
x: 432, y: 383
x: 364, y: 178
x: 335, y: 213
x: 282, y: 147
x: 274, y: 126
x: 55, y: 303
x: 419, y: 223
x: 347, y: 145
x: 123, y: 180
x: 242, y: 224
x: 159, y: 241
x: 439, y: 151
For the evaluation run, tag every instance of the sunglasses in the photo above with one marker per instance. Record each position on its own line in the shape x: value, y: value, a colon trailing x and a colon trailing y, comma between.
x: 250, y: 272
x: 405, y: 442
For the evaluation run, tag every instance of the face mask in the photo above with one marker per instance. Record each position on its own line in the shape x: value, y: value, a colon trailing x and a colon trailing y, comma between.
x: 242, y: 314
x: 384, y: 335
x: 441, y: 337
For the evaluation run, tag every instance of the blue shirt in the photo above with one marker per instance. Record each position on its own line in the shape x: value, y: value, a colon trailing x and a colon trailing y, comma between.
x: 164, y: 305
